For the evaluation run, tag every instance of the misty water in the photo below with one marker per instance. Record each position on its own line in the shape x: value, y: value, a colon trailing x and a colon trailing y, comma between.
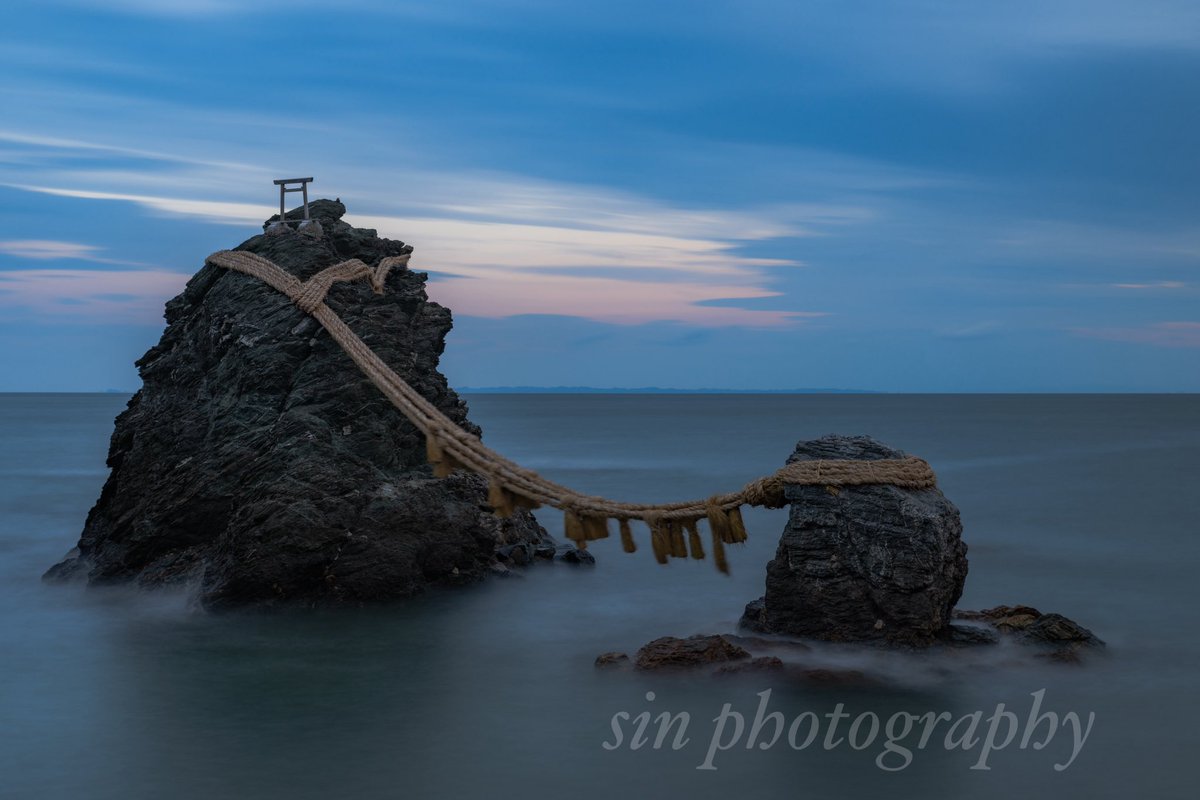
x: 1084, y: 505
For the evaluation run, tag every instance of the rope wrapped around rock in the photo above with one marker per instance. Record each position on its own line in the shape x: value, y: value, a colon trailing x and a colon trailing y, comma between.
x: 673, y: 531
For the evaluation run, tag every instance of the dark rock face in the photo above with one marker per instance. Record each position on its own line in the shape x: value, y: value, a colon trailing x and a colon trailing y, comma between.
x: 862, y: 563
x: 258, y: 463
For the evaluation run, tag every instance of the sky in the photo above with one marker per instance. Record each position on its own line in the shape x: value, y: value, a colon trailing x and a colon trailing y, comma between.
x: 891, y: 196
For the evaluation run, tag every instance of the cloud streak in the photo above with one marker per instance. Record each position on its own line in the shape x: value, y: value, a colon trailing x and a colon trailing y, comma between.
x: 1159, y: 334
x: 128, y: 296
x: 505, y: 245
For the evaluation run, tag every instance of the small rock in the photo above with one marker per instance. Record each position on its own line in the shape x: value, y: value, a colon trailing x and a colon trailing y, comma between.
x: 613, y: 659
x: 518, y: 554
x: 1060, y: 638
x: 1014, y: 617
x: 573, y: 555
x: 1057, y: 629
x: 670, y: 652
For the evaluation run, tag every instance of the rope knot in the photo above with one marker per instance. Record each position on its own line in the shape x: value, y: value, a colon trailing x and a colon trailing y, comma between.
x: 312, y: 292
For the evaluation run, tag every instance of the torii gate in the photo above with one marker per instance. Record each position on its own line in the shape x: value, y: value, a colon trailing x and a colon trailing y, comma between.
x: 286, y: 185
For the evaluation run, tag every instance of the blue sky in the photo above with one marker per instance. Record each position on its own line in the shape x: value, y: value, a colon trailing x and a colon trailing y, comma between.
x: 897, y: 196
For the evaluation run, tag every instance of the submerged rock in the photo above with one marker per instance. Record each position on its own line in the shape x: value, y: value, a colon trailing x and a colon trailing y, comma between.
x: 258, y: 463
x: 862, y: 563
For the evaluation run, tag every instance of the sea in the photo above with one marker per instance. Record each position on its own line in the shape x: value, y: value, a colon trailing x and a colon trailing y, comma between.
x: 1085, y: 505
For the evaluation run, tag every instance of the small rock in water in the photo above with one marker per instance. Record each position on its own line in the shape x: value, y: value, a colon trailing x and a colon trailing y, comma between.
x: 1055, y: 636
x: 670, y: 652
x: 574, y: 555
x: 605, y: 660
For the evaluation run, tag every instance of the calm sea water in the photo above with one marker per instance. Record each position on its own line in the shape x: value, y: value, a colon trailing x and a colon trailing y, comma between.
x: 1085, y: 505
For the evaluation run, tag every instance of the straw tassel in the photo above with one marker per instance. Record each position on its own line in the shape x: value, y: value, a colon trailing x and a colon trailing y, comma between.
x: 718, y: 520
x: 627, y: 542
x: 737, y: 525
x: 520, y: 501
x: 435, y: 456
x: 658, y: 538
x: 694, y: 544
x: 573, y: 529
x: 595, y: 527
x: 719, y: 553
x: 499, y: 499
x: 675, y: 537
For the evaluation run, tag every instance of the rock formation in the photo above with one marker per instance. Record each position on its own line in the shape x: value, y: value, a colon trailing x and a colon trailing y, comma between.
x: 874, y: 564
x: 862, y: 563
x: 259, y: 465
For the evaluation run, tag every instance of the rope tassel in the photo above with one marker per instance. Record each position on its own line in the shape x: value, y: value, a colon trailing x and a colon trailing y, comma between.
x: 500, y: 500
x: 737, y: 526
x: 627, y: 542
x: 718, y: 521
x: 658, y: 539
x: 595, y: 527
x: 694, y: 544
x: 678, y: 542
x: 719, y: 553
x: 573, y: 529
x: 527, y: 503
x: 442, y: 463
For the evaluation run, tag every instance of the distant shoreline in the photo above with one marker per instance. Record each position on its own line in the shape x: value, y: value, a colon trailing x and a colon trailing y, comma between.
x: 654, y: 390
x: 645, y: 390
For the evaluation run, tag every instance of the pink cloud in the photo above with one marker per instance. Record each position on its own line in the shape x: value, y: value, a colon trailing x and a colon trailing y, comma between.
x: 613, y: 300
x: 43, y: 249
x: 135, y: 296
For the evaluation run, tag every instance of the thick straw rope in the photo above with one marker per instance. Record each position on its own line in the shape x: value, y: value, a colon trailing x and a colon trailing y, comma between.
x: 511, y: 486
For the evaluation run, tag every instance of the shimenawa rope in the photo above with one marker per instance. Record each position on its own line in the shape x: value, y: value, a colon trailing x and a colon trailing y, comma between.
x: 673, y: 532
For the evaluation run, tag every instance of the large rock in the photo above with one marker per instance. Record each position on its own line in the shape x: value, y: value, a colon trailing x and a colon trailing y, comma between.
x: 862, y: 563
x: 258, y: 464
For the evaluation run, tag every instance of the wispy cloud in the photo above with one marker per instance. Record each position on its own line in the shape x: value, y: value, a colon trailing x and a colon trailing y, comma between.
x: 1160, y: 334
x: 109, y: 295
x: 1151, y: 285
x: 1088, y: 242
x: 597, y: 253
x: 53, y: 250
x: 224, y: 213
x: 502, y: 293
x: 176, y: 8
x: 40, y: 249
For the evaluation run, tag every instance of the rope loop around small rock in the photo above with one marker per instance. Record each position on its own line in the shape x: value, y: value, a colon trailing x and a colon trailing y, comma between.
x: 585, y: 517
